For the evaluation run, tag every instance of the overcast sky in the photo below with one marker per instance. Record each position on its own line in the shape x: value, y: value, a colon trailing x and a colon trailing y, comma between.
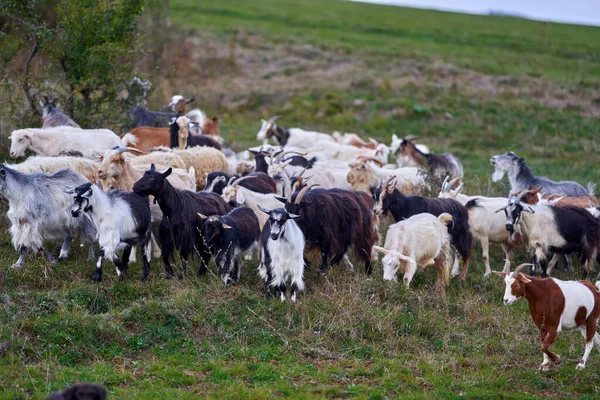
x: 574, y: 11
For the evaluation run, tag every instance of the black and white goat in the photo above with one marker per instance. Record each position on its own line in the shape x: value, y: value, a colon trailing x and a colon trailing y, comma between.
x: 123, y: 220
x: 388, y: 199
x: 228, y: 237
x: 260, y: 183
x: 37, y: 211
x: 282, y: 253
x: 181, y: 225
x: 296, y: 160
x: 522, y: 178
x: 562, y: 230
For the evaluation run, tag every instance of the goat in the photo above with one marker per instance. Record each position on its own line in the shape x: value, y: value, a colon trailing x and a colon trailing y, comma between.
x: 562, y: 230
x: 200, y: 124
x: 142, y: 117
x: 438, y: 165
x: 260, y: 183
x: 522, y: 178
x: 181, y: 226
x: 332, y: 220
x: 388, y: 199
x: 52, y: 116
x: 403, y: 160
x: 80, y: 391
x: 181, y: 138
x: 364, y: 174
x: 122, y: 218
x: 37, y: 205
x: 146, y: 138
x: 290, y: 137
x: 50, y: 142
x: 228, y: 237
x: 555, y: 305
x: 535, y: 196
x: 282, y: 253
x: 352, y: 139
x: 179, y: 103
x: 420, y: 240
x: 485, y: 224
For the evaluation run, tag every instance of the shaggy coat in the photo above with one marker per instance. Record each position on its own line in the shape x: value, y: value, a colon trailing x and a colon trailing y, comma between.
x: 181, y: 226
x: 228, y: 237
x: 49, y: 165
x: 52, y: 116
x: 37, y: 210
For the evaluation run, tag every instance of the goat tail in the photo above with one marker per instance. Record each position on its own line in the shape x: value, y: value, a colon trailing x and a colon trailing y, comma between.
x: 446, y: 218
x: 128, y: 139
x: 591, y: 188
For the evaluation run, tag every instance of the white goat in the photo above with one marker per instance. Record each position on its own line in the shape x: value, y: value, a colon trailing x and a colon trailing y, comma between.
x: 420, y: 240
x: 365, y: 174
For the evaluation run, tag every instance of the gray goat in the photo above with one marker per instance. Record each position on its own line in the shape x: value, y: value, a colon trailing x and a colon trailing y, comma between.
x: 38, y: 211
x: 522, y: 178
x: 52, y: 116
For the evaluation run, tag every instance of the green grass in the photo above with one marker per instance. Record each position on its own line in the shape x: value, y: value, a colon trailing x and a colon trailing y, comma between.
x: 471, y: 85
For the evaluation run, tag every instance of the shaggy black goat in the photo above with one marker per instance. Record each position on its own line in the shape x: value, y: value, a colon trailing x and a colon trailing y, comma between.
x: 181, y: 226
x: 228, y: 237
x: 389, y: 199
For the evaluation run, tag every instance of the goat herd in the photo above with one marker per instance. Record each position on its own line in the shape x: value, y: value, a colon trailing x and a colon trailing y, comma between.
x: 311, y: 197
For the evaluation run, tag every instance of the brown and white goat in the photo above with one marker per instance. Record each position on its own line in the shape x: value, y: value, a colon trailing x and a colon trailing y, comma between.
x: 555, y: 305
x: 535, y: 196
x: 145, y: 138
x: 439, y: 165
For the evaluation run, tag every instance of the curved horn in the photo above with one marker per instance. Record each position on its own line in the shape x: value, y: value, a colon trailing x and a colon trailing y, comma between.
x: 274, y: 155
x: 132, y: 149
x: 236, y: 183
x: 520, y: 267
x: 273, y: 118
x: 444, y: 183
x: 411, y: 138
x: 453, y: 182
x: 522, y: 194
x: 233, y: 178
x: 364, y: 159
x: 302, y: 192
x: 280, y: 156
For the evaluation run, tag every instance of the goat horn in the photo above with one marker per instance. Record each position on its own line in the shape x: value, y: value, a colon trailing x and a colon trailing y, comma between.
x: 273, y: 118
x: 236, y: 183
x: 520, y: 267
x: 364, y: 159
x: 274, y: 156
x: 522, y: 194
x: 453, y: 181
x: 132, y: 149
x: 411, y: 138
x: 302, y: 192
x: 280, y: 157
x: 231, y: 180
x: 444, y: 183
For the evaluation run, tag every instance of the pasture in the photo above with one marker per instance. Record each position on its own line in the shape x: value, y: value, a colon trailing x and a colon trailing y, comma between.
x: 475, y: 86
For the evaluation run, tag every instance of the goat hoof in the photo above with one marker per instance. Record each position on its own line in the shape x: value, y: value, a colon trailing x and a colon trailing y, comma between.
x: 580, y: 366
x: 546, y: 366
x: 97, y: 278
x: 62, y: 256
x: 16, y: 266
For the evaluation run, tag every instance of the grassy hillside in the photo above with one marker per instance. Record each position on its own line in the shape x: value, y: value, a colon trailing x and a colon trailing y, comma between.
x: 472, y: 85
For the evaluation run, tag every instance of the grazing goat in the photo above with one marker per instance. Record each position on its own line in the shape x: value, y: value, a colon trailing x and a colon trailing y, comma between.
x: 282, y: 253
x: 260, y: 182
x: 122, y: 218
x: 485, y: 224
x: 364, y: 174
x: 403, y: 160
x: 562, y: 230
x: 418, y: 241
x: 438, y: 165
x: 228, y: 237
x: 555, y: 305
x: 52, y: 116
x: 332, y: 220
x: 181, y: 225
x: 389, y: 199
x: 180, y: 136
x: 290, y: 137
x: 179, y: 103
x: 50, y: 142
x: 38, y: 211
x: 522, y: 178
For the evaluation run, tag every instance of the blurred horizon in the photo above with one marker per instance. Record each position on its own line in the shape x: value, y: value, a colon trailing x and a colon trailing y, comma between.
x: 579, y: 12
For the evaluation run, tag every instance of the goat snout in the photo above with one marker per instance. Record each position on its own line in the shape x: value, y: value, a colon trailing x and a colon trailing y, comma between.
x: 510, y: 228
x: 493, y: 160
x: 101, y: 174
x: 75, y: 213
x: 13, y: 154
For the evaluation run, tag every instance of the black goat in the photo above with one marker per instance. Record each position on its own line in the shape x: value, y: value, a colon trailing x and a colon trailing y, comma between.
x: 144, y: 117
x: 181, y: 226
x: 228, y: 237
x: 332, y: 220
x: 260, y: 183
x: 192, y: 140
x: 389, y: 199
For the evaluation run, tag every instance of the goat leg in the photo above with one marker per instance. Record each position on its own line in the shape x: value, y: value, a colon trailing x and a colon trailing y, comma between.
x: 21, y: 260
x: 98, y: 274
x: 65, y: 248
x: 49, y: 256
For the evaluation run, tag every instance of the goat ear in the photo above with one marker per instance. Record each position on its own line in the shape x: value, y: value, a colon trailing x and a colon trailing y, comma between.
x: 239, y: 197
x: 281, y: 199
x: 381, y: 250
x: 521, y: 160
x: 500, y: 209
x: 153, y: 167
x: 87, y: 194
x: 500, y: 274
x: 293, y: 216
x: 265, y: 210
x: 226, y: 226
x: 523, y: 278
x: 202, y: 216
x: 167, y: 172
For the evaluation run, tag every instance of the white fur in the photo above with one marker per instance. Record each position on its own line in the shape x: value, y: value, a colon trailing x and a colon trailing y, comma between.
x: 403, y: 160
x: 362, y: 176
x: 51, y: 141
x: 250, y: 199
x: 576, y: 295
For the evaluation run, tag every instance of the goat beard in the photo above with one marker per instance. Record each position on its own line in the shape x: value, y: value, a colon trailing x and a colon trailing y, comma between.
x: 498, y: 175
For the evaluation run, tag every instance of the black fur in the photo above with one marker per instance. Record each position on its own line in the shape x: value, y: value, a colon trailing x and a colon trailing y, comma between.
x: 580, y: 229
x: 262, y: 183
x: 332, y: 220
x: 143, y: 117
x: 80, y: 391
x: 181, y: 225
x: 261, y: 163
x: 192, y: 140
x: 300, y: 161
x: 402, y: 207
x: 223, y: 243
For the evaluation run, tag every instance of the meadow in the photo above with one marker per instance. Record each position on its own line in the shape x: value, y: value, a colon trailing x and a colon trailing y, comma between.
x: 475, y: 86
